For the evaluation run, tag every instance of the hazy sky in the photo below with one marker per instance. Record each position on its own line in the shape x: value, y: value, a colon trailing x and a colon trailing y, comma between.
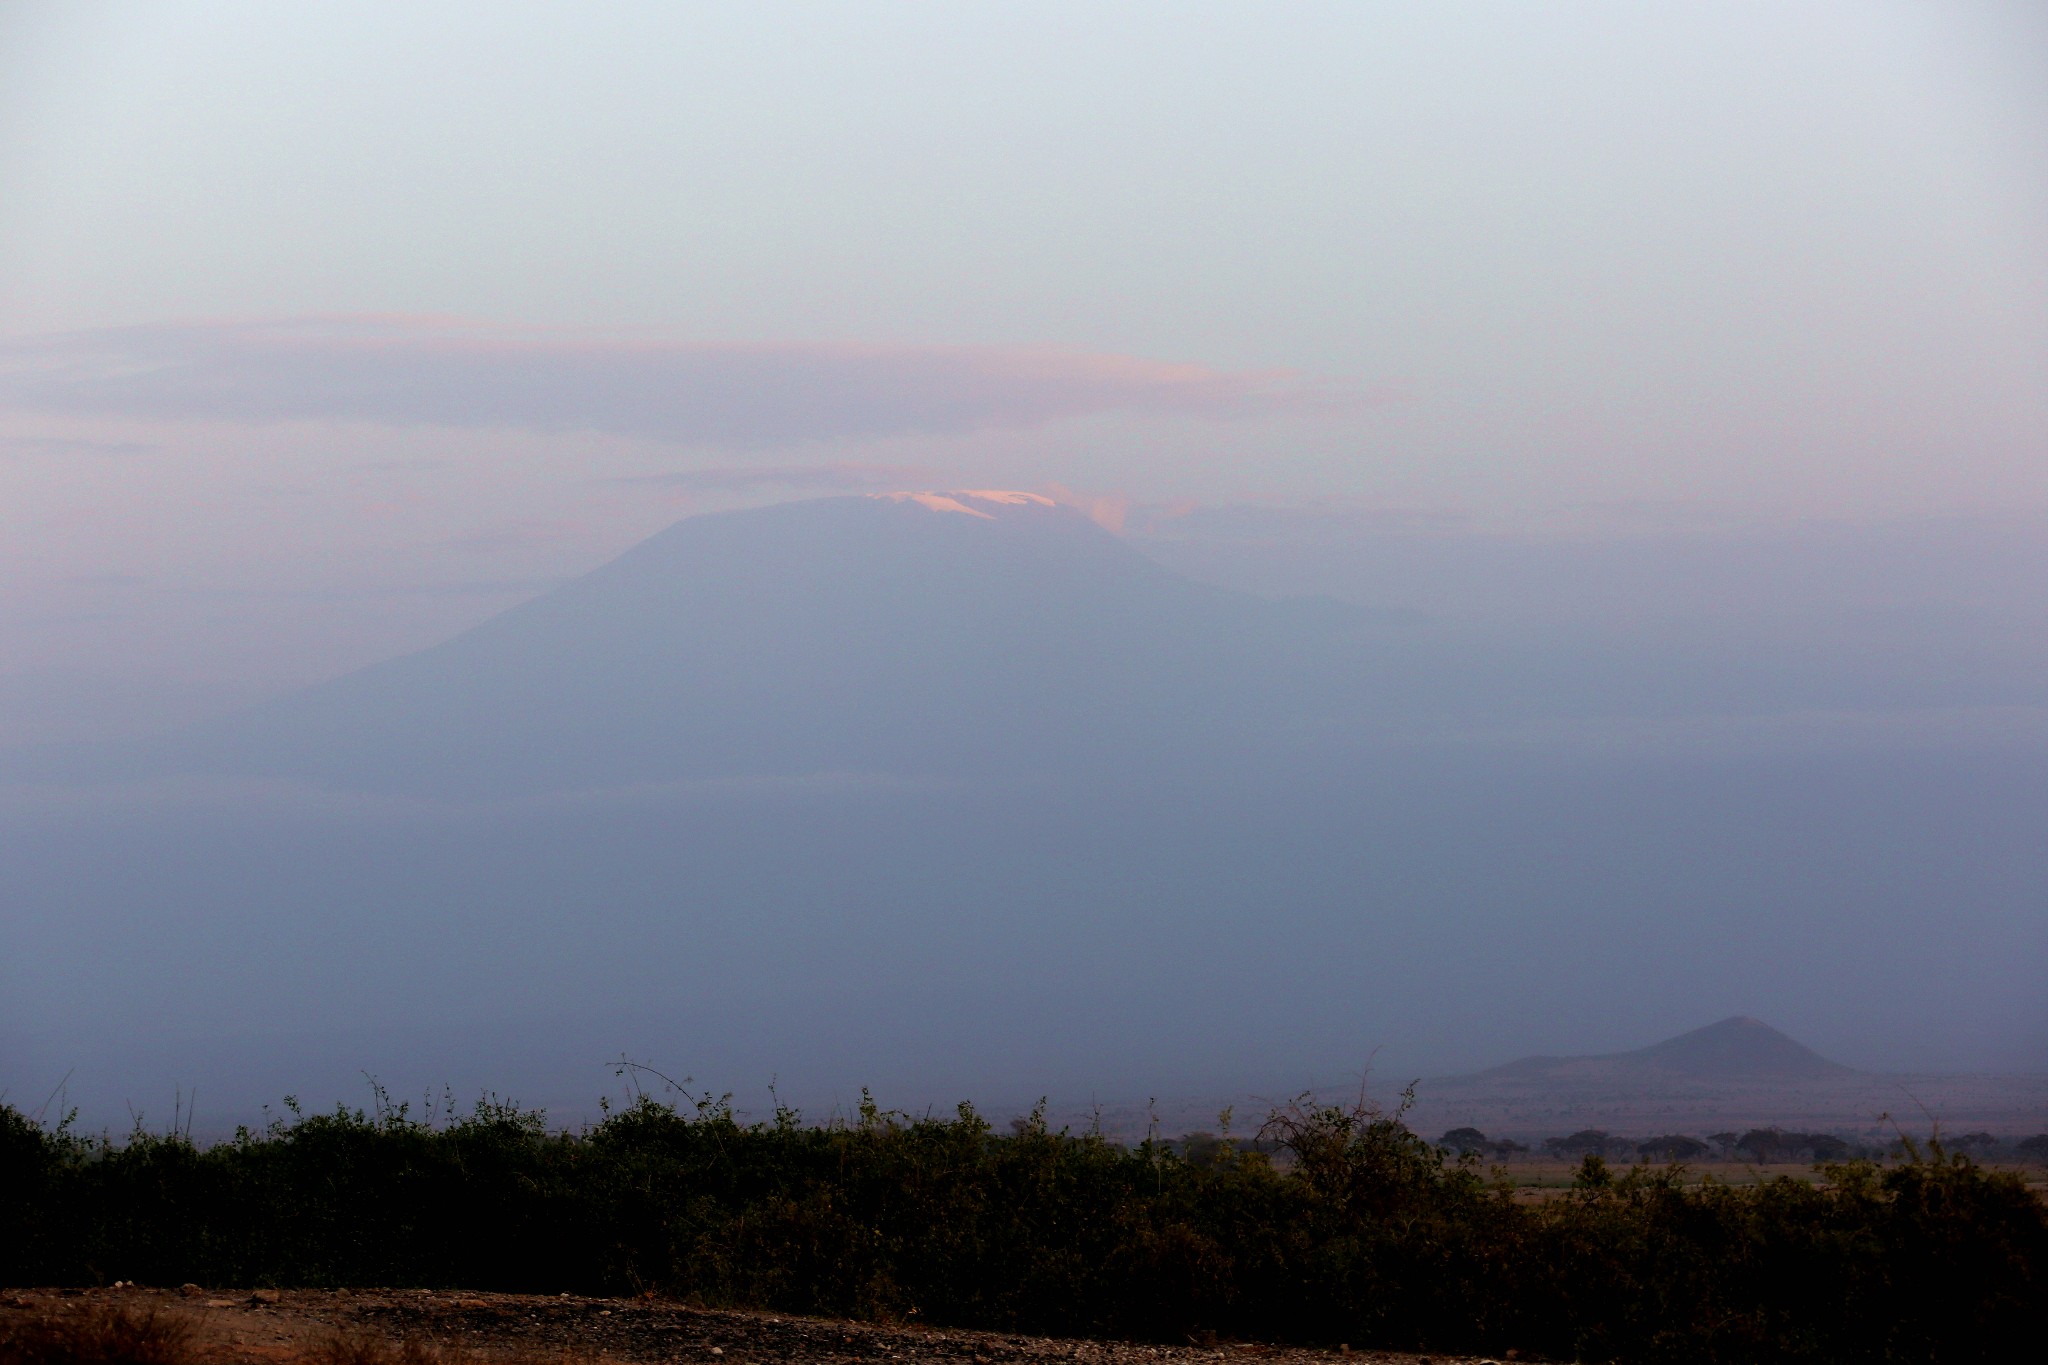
x: 1700, y: 350
x: 364, y: 320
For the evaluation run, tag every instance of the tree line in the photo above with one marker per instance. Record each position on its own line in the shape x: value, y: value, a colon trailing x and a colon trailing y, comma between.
x: 1763, y: 1146
x: 1335, y: 1225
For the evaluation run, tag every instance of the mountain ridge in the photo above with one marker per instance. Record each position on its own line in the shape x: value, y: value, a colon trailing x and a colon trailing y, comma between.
x: 1738, y: 1048
x: 909, y: 634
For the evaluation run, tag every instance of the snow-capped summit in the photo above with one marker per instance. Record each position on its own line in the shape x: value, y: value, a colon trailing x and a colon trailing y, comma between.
x: 952, y: 500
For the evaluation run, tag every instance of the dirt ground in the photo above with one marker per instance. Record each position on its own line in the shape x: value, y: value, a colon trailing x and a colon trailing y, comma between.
x: 366, y: 1327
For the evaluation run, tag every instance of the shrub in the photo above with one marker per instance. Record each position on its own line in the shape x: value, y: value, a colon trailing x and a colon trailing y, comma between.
x: 1361, y: 1232
x: 98, y: 1335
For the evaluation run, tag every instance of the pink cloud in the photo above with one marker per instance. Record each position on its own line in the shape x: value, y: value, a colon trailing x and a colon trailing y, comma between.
x: 744, y: 478
x: 412, y: 371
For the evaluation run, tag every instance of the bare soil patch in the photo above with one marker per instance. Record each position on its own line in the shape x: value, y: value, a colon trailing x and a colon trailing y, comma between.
x: 194, y: 1326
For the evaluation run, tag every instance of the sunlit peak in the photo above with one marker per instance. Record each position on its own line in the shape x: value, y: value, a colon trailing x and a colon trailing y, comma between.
x: 952, y: 501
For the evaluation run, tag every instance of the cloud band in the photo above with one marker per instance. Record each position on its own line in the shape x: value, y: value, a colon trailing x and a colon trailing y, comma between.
x: 409, y: 371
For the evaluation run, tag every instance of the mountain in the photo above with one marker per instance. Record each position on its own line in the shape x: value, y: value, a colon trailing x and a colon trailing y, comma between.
x: 1736, y: 1074
x: 912, y: 635
x: 948, y: 636
x: 961, y: 795
x: 1735, y: 1049
x: 1738, y: 1048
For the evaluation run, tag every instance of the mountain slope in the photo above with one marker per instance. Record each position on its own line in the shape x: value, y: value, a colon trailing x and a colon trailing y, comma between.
x: 1735, y: 1049
x: 909, y: 634
x: 1738, y: 1047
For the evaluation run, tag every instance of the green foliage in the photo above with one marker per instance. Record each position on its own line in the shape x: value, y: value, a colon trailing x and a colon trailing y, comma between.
x: 1334, y: 1224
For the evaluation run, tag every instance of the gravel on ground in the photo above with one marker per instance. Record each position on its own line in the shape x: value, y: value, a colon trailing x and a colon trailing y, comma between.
x: 445, y: 1327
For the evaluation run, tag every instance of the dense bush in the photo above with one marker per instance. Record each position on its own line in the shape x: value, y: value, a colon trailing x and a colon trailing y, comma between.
x: 1363, y: 1233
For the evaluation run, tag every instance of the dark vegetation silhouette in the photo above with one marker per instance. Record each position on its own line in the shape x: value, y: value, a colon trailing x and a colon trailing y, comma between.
x: 1775, y: 1144
x: 1589, y: 1142
x: 1354, y: 1229
x: 1472, y: 1142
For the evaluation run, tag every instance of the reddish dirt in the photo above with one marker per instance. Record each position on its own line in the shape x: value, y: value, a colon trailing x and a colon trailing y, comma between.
x: 394, y: 1327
